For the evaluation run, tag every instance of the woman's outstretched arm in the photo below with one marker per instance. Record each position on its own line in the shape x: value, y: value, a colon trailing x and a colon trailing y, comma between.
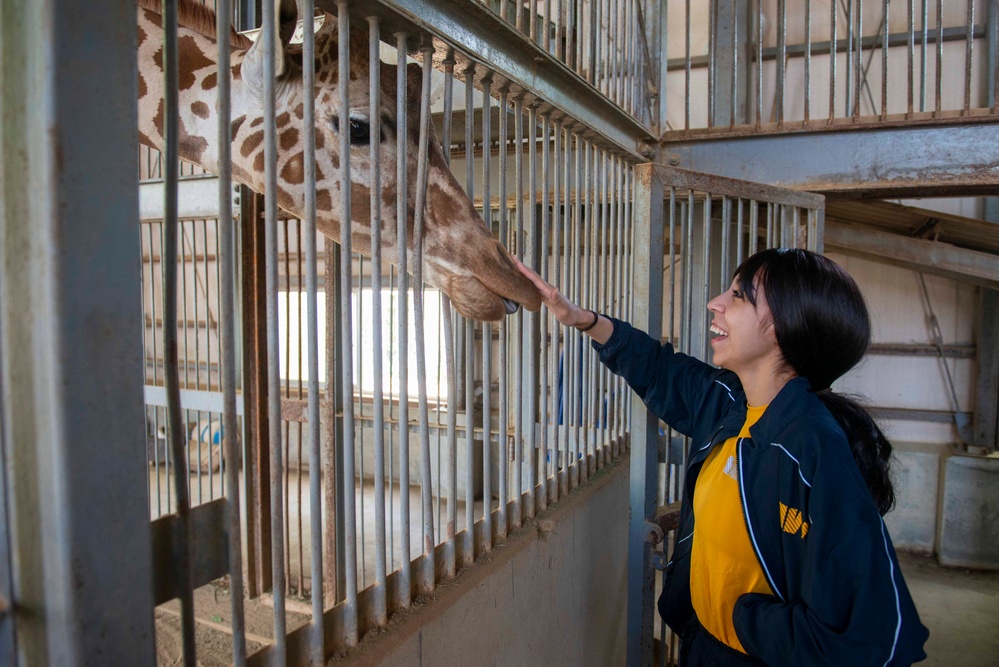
x: 568, y: 313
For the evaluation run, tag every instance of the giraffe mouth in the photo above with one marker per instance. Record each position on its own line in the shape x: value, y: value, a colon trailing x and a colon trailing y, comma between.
x: 511, y: 306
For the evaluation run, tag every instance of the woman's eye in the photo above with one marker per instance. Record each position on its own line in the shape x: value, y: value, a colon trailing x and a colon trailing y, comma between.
x: 736, y: 294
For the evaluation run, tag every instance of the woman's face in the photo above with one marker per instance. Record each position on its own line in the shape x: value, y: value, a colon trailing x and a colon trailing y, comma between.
x: 742, y: 336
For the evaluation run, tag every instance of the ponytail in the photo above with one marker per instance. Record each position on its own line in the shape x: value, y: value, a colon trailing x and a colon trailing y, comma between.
x: 871, y: 449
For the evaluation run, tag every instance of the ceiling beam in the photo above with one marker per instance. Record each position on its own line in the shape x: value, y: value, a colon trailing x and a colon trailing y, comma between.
x: 954, y: 157
x: 932, y: 257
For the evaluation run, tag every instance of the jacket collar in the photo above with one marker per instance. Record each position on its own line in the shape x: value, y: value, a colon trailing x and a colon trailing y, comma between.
x: 793, y: 399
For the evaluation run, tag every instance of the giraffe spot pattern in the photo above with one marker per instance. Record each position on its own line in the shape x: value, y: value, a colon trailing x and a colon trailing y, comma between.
x: 323, y: 201
x: 257, y: 122
x: 236, y: 124
x: 251, y: 143
x: 288, y: 139
x: 283, y: 119
x: 293, y: 171
x: 210, y: 81
x: 200, y: 109
x: 190, y: 60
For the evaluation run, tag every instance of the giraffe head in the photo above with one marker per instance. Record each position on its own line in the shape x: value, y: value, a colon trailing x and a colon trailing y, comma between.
x: 461, y: 256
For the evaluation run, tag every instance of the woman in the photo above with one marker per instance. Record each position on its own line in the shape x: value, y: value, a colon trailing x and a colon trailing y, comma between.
x: 789, y: 561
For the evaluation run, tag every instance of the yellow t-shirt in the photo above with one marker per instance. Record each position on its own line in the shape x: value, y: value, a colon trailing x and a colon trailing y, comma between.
x: 723, y: 565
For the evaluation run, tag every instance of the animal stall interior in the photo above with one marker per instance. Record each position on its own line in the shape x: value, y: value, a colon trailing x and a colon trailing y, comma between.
x: 352, y: 432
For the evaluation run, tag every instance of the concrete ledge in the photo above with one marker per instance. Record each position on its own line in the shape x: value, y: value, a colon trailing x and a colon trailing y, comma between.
x: 553, y: 593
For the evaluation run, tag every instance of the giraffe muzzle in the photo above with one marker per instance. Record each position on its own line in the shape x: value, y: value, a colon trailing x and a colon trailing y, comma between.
x: 511, y: 306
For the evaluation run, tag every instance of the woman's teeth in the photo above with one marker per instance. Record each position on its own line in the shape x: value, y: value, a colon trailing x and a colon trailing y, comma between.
x: 718, y: 332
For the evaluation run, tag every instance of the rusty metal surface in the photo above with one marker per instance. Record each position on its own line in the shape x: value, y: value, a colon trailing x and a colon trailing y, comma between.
x: 668, y: 517
x: 257, y: 444
x: 723, y: 186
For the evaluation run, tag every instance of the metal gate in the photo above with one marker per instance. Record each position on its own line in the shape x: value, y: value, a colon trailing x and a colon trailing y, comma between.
x: 381, y: 463
x: 706, y: 226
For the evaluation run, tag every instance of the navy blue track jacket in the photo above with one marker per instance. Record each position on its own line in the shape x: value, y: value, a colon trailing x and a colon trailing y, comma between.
x: 840, y: 596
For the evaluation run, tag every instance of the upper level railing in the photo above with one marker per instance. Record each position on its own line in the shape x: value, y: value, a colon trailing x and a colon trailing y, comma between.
x: 772, y: 65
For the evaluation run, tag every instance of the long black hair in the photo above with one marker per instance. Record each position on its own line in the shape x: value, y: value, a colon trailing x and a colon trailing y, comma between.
x: 823, y: 329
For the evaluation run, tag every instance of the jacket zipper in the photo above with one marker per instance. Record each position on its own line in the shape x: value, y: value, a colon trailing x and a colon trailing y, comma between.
x: 749, y: 527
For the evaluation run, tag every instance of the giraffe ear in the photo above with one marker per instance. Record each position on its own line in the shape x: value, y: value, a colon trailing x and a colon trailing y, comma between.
x: 252, y: 69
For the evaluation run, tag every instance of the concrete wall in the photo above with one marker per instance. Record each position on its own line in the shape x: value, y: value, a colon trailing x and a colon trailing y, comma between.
x: 553, y: 595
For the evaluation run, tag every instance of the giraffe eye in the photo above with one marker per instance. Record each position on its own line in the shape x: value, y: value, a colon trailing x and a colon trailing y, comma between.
x: 360, y: 131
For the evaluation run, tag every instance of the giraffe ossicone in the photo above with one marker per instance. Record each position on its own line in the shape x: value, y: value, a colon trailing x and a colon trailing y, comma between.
x: 461, y: 256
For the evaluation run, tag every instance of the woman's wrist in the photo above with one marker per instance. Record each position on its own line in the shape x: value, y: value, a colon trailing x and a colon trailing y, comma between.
x: 587, y: 320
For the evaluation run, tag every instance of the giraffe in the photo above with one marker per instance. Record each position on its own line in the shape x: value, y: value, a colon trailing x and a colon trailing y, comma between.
x: 461, y: 256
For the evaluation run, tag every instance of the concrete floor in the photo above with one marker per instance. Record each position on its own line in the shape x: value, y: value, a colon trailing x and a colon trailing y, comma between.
x: 960, y: 609
x: 958, y: 606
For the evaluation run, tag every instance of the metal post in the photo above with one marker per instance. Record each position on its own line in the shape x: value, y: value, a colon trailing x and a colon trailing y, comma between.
x: 71, y: 373
x: 647, y: 299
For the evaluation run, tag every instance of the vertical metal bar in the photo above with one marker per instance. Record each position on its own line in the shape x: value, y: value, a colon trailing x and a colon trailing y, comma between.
x: 781, y: 59
x: 285, y: 246
x: 688, y: 276
x: 575, y: 391
x: 808, y: 63
x: 754, y: 227
x: 426, y: 576
x: 504, y: 411
x: 529, y: 330
x: 350, y: 524
x: 557, y: 279
x: 833, y: 14
x: 993, y: 56
x: 939, y: 87
x: 487, y: 329
x: 648, y: 299
x: 734, y: 45
x: 712, y: 58
x: 545, y: 344
x: 969, y: 40
x: 402, y: 331
x: 469, y: 361
x: 273, y: 345
x: 175, y: 430
x: 911, y: 55
x: 706, y: 287
x: 586, y: 393
x: 227, y: 337
x: 518, y: 450
x: 884, y: 60
x: 848, y: 111
x: 924, y: 34
x: 726, y: 246
x: 377, y: 311
x: 450, y: 562
x: 687, y: 65
x: 859, y: 59
x: 565, y: 285
x: 759, y: 63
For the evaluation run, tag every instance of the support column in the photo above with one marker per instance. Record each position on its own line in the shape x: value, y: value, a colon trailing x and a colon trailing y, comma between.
x: 75, y: 518
x: 647, y: 297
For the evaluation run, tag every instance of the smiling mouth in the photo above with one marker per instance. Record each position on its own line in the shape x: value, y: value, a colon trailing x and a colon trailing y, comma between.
x: 717, y: 332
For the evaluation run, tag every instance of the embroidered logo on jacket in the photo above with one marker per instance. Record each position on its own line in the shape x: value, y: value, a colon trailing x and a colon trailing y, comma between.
x: 791, y: 521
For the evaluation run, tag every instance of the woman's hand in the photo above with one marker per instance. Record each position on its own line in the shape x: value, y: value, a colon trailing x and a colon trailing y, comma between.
x: 595, y: 326
x: 565, y: 311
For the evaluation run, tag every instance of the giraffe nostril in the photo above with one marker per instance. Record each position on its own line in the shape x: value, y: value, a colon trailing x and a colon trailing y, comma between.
x: 511, y: 306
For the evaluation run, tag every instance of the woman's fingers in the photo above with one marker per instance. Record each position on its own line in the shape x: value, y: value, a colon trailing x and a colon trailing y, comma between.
x: 546, y: 289
x: 561, y: 307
